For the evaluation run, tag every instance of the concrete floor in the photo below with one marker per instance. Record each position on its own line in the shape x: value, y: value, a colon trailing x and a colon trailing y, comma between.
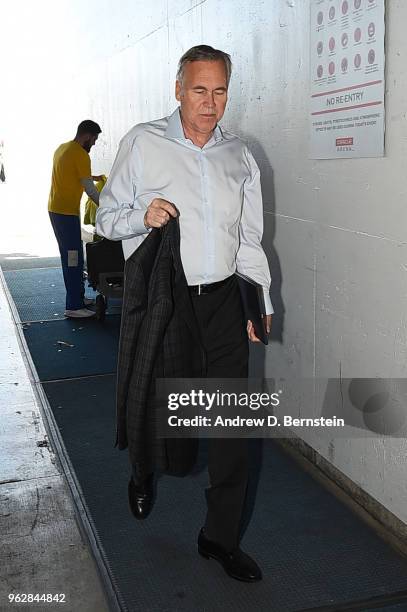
x: 42, y: 549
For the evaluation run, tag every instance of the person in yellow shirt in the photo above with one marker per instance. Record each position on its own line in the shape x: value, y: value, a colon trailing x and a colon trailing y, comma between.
x: 71, y: 176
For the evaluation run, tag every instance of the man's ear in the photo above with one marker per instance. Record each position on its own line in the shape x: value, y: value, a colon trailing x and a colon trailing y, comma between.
x: 177, y: 91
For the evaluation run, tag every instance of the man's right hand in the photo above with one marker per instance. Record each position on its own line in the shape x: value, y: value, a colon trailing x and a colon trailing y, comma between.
x: 159, y: 213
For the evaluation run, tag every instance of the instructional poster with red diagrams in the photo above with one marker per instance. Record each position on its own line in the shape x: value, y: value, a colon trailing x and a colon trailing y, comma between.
x: 347, y: 79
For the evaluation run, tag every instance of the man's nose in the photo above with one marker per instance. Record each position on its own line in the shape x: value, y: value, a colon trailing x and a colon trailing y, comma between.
x: 210, y: 99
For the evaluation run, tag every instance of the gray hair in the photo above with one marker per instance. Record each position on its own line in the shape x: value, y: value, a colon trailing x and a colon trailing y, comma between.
x: 204, y: 53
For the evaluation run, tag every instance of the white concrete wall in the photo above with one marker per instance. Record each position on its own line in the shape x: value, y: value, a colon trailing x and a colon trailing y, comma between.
x: 335, y: 231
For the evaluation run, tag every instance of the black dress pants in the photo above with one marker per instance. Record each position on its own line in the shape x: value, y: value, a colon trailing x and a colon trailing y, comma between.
x: 223, y: 331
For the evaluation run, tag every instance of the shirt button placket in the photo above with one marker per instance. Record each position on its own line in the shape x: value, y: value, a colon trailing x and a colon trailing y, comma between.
x: 209, y: 241
x: 205, y: 213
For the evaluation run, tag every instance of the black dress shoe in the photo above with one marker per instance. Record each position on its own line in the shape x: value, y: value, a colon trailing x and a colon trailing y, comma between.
x: 235, y: 563
x: 141, y: 497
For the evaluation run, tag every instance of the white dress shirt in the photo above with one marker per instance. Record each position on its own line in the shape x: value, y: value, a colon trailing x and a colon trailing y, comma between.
x: 216, y: 189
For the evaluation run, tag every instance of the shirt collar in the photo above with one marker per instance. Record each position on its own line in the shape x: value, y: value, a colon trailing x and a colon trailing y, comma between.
x: 175, y: 129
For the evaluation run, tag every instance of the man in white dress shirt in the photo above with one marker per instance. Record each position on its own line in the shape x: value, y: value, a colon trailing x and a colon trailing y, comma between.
x: 189, y: 162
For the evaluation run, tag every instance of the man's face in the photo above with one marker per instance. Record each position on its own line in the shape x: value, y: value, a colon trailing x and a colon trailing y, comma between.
x: 89, y: 142
x: 202, y: 95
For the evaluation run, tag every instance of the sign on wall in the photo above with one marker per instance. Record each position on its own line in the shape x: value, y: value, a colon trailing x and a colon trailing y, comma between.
x: 347, y: 79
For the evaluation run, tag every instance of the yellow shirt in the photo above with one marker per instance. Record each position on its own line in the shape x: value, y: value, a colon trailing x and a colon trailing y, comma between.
x: 71, y: 164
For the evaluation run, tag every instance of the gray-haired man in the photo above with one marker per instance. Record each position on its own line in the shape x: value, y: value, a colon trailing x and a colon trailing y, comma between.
x: 186, y: 160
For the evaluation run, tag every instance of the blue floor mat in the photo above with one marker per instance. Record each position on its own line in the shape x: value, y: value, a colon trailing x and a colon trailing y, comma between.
x: 313, y: 550
x: 396, y: 608
x: 39, y: 294
x: 73, y: 347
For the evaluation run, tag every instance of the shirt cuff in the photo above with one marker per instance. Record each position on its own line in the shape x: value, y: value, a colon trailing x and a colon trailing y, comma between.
x: 267, y: 302
x: 137, y: 222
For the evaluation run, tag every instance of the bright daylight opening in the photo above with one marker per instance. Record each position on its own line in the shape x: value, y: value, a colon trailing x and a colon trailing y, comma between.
x: 40, y: 106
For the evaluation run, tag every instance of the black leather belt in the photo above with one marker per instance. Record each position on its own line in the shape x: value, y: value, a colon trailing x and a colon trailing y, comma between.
x: 202, y: 289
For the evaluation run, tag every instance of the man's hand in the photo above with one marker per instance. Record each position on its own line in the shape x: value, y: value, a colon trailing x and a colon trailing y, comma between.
x: 250, y: 329
x: 159, y: 213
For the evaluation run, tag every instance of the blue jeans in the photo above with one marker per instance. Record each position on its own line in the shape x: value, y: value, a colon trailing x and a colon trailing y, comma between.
x: 67, y: 230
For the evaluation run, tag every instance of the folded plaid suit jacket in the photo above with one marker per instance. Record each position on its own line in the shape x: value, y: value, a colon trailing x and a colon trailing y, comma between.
x: 157, y: 339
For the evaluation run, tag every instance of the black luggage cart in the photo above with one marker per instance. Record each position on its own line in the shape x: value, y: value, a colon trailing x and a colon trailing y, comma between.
x: 105, y: 266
